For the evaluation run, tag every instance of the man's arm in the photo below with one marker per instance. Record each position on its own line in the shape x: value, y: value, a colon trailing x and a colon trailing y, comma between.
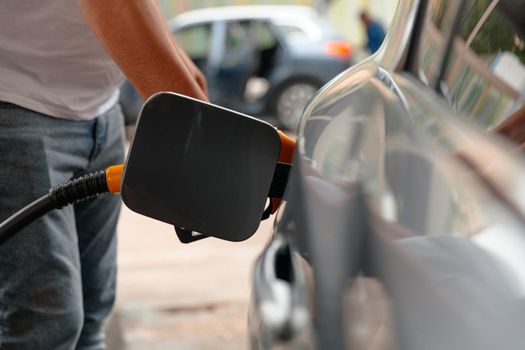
x: 135, y: 34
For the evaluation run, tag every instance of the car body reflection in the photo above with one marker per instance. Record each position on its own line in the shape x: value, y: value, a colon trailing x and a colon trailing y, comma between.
x: 401, y: 204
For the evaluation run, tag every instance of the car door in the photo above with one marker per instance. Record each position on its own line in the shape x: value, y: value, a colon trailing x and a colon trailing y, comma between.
x: 233, y: 62
x: 413, y: 235
x: 247, y: 52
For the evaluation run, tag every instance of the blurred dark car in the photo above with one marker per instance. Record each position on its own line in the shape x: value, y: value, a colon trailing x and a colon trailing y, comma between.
x: 403, y: 222
x: 260, y: 60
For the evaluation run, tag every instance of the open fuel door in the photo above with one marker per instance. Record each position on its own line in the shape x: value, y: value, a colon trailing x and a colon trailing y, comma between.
x: 200, y: 167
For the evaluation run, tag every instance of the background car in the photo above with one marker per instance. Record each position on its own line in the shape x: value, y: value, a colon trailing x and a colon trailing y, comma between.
x: 259, y: 60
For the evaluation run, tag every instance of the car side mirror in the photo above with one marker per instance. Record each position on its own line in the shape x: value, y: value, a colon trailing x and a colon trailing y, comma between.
x: 200, y: 167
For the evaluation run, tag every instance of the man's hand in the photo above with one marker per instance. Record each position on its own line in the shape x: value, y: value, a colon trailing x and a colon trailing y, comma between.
x: 136, y: 36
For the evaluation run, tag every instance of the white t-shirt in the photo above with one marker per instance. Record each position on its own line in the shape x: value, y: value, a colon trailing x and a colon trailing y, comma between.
x: 51, y: 62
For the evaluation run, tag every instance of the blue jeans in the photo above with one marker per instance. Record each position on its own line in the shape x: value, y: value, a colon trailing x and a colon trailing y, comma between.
x: 57, y: 276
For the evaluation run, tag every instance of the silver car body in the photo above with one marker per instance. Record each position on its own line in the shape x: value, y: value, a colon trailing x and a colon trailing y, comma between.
x: 403, y: 226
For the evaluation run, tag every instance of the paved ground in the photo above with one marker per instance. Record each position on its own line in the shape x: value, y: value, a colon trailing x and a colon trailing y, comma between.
x: 175, y: 296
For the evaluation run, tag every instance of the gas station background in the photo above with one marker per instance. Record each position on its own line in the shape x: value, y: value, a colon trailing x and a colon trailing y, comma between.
x: 342, y: 14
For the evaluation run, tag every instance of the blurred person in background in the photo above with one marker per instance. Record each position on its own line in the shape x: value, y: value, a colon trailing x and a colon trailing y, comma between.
x: 61, y: 64
x: 374, y: 32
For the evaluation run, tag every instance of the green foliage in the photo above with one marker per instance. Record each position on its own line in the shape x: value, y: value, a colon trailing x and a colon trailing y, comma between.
x: 496, y: 34
x: 437, y: 10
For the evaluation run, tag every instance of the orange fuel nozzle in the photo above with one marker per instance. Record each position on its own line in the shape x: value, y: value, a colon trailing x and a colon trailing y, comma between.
x: 285, y: 156
x: 113, y: 176
x: 287, y: 148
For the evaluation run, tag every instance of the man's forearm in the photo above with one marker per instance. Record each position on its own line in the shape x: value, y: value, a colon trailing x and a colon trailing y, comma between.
x: 136, y: 36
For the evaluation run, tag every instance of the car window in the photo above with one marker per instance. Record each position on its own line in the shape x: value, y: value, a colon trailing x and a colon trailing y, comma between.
x: 485, y: 75
x: 249, y: 33
x: 195, y: 40
x: 247, y: 40
x: 263, y: 35
x: 239, y: 47
x: 237, y: 35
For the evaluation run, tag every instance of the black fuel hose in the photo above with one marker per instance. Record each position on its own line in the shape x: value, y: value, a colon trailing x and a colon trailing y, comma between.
x: 73, y: 191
